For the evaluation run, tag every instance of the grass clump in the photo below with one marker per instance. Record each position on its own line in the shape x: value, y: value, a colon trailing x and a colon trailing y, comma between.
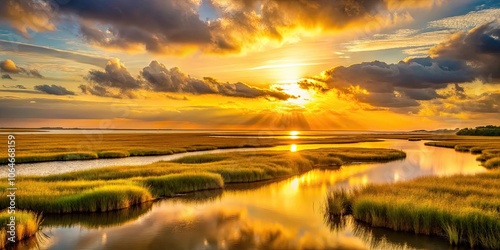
x: 101, y: 199
x: 197, y: 159
x: 78, y: 196
x: 464, y: 209
x: 172, y: 184
x: 113, y: 154
x: 339, y: 202
x: 492, y: 163
x: 27, y: 224
x: 367, y: 155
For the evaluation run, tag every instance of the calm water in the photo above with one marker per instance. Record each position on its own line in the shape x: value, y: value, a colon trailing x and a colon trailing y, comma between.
x: 286, y: 214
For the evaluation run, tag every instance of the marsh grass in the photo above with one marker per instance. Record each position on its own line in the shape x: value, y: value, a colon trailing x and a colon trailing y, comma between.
x: 492, y: 163
x: 72, y: 156
x: 196, y: 159
x: 169, y: 185
x: 339, y: 202
x: 78, y: 196
x: 464, y: 209
x: 113, y: 154
x: 63, y: 147
x: 488, y: 149
x: 112, y: 188
x: 27, y: 224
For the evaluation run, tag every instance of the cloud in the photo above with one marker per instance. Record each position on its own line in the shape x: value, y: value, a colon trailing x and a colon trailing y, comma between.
x: 485, y: 104
x: 19, y: 47
x: 116, y: 81
x: 114, y: 77
x: 154, y: 25
x: 174, y: 80
x: 10, y: 67
x: 6, y: 76
x: 480, y: 47
x: 467, y: 21
x: 464, y: 57
x: 53, y: 89
x: 175, y: 27
x: 434, y: 33
x: 35, y: 73
x: 19, y: 86
x: 393, y: 85
x: 28, y: 15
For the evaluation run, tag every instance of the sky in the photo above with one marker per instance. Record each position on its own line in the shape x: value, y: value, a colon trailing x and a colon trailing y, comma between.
x: 250, y: 64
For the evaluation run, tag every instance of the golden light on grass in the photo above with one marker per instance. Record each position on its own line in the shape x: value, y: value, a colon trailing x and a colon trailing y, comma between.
x: 293, y: 148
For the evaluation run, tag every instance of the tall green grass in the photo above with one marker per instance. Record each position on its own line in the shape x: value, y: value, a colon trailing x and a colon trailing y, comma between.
x: 464, y: 209
x: 27, y: 224
x: 170, y: 185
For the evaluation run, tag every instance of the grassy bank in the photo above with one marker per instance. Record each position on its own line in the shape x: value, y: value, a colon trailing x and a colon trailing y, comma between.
x: 27, y: 224
x: 113, y: 188
x: 488, y: 150
x: 64, y: 147
x: 464, y: 209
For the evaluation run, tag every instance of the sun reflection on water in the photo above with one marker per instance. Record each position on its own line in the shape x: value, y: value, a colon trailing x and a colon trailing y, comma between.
x: 293, y: 148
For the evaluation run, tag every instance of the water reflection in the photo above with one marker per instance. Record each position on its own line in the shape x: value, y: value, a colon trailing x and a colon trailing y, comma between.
x: 381, y: 238
x: 286, y: 214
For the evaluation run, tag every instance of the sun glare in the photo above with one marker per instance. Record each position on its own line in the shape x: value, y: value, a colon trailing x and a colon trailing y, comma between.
x: 299, y: 96
x: 294, y: 134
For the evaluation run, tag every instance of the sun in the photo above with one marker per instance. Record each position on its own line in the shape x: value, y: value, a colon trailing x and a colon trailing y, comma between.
x: 299, y: 96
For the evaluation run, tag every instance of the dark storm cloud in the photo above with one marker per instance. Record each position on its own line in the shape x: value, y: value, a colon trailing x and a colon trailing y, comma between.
x: 480, y: 47
x: 162, y: 79
x: 53, y: 89
x: 116, y: 81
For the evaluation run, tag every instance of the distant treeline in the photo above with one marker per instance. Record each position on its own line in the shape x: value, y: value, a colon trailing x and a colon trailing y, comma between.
x: 489, y: 130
